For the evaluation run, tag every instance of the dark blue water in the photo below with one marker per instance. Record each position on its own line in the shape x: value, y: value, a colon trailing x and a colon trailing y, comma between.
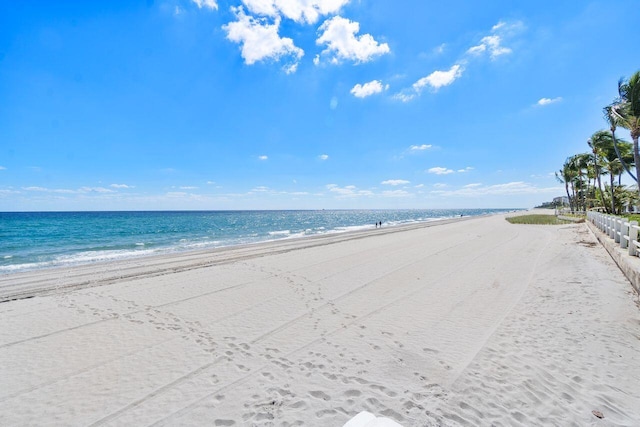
x: 30, y: 240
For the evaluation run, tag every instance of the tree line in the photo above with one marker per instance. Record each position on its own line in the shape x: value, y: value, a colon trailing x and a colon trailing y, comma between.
x: 594, y: 179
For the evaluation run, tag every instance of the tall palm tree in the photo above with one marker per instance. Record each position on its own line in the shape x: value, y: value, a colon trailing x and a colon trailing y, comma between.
x: 611, y: 118
x: 566, y: 176
x: 610, y: 158
x: 580, y: 163
x: 627, y: 112
x: 598, y: 150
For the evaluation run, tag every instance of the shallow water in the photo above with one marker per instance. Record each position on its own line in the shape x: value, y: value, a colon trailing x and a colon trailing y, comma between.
x: 30, y: 240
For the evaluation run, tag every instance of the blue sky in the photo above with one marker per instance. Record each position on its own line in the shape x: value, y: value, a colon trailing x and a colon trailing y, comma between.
x: 288, y: 104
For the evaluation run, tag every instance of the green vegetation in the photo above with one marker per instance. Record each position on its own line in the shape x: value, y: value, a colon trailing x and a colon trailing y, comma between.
x: 550, y: 205
x: 537, y: 219
x: 609, y: 157
x: 631, y: 217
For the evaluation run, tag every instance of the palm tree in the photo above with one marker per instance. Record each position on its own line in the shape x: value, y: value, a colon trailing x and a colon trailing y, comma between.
x: 626, y: 112
x: 596, y: 142
x: 566, y: 176
x: 611, y: 118
x: 610, y: 157
x: 580, y: 164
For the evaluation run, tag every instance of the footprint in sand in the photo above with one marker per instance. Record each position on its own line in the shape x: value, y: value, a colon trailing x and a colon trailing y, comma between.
x: 320, y: 395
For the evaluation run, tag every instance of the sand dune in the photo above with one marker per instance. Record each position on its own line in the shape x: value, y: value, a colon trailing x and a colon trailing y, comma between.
x: 475, y: 322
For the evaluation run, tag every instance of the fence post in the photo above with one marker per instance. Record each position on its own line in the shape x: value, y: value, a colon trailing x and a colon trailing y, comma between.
x: 612, y: 227
x: 617, y: 230
x: 624, y: 233
x: 633, y: 237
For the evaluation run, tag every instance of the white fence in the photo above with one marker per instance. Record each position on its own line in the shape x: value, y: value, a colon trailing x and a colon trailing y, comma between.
x: 621, y: 230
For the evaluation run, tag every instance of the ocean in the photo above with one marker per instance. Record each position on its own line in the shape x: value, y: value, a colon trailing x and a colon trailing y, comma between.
x: 35, y: 240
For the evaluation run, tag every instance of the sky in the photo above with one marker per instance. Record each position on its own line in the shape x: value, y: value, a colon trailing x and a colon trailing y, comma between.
x: 302, y: 104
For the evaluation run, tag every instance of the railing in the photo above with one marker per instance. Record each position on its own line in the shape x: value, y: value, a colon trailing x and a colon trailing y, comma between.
x: 621, y: 230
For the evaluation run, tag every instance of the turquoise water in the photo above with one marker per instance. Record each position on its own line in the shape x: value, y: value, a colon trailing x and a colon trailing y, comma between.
x: 30, y: 240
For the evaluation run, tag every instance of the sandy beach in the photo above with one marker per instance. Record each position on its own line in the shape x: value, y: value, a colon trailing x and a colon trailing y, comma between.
x: 473, y: 322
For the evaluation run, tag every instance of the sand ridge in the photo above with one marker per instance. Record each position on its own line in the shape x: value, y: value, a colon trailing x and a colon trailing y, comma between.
x: 478, y: 322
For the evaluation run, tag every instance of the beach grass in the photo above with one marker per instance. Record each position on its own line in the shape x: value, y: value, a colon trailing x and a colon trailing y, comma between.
x: 537, y: 219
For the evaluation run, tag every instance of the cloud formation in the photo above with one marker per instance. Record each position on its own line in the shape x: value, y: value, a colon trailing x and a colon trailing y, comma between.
x: 395, y: 182
x: 491, y: 44
x: 438, y: 170
x: 81, y: 190
x: 367, y: 89
x: 260, y: 40
x: 121, y: 186
x: 546, y: 101
x: 339, y: 37
x: 300, y: 11
x: 323, y: 156
x: 348, y: 192
x: 263, y: 157
x: 420, y: 147
x: 438, y: 79
x: 508, y: 189
x: 207, y: 4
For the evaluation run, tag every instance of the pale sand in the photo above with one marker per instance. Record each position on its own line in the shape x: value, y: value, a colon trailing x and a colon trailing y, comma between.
x: 475, y: 322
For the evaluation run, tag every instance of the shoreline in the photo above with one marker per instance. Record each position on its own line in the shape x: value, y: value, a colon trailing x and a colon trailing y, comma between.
x: 473, y: 322
x: 33, y: 282
x: 44, y: 240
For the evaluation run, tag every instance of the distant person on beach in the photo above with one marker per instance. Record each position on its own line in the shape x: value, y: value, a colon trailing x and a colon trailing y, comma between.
x: 380, y: 224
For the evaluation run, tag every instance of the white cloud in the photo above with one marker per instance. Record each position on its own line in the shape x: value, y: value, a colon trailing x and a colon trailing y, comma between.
x: 339, y: 35
x: 298, y: 10
x: 492, y: 43
x: 51, y: 190
x: 260, y: 40
x: 467, y: 169
x: 349, y: 191
x: 333, y: 104
x: 404, y: 97
x: 508, y: 189
x: 440, y: 185
x: 187, y: 187
x: 420, y: 147
x: 419, y: 186
x: 211, y: 182
x: 177, y: 11
x: 367, y: 89
x: 2, y: 168
x: 395, y: 182
x: 440, y: 170
x: 95, y: 190
x: 473, y: 185
x: 438, y: 79
x: 207, y: 4
x: 263, y: 157
x: 323, y: 156
x: 81, y: 190
x: 546, y: 101
x: 121, y: 186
